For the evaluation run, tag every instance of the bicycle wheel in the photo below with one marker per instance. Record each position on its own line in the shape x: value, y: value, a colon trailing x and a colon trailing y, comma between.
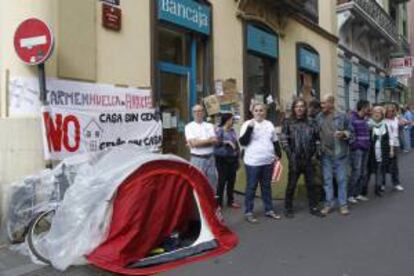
x: 38, y: 228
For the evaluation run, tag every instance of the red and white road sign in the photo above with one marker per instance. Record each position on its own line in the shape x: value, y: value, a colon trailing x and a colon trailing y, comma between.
x: 33, y: 41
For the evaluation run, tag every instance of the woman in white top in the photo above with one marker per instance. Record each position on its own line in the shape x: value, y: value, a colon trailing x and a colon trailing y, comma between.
x: 393, y: 124
x: 260, y: 143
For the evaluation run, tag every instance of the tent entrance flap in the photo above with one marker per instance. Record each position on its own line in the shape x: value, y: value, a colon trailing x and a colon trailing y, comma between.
x: 196, y: 240
x: 177, y: 255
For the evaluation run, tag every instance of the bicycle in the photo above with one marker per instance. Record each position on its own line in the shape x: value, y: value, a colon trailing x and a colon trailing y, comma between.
x: 33, y: 203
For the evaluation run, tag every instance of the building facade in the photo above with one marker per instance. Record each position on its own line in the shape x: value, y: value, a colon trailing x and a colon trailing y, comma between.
x: 371, y: 33
x: 183, y: 50
x: 411, y: 32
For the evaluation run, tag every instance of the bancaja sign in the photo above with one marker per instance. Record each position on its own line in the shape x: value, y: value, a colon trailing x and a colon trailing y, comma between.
x: 186, y: 13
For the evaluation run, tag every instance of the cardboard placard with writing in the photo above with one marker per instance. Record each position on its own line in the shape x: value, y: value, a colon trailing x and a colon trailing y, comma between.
x: 212, y: 105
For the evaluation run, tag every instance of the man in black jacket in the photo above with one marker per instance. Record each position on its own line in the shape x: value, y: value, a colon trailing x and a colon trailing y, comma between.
x: 300, y: 139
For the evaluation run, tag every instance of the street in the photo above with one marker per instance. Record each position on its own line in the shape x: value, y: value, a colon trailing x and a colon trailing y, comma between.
x: 375, y: 239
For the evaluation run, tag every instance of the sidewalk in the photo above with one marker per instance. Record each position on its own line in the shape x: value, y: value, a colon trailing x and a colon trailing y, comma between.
x: 300, y: 242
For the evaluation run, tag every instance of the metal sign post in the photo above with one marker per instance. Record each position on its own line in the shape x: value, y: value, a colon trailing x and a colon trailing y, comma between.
x: 33, y: 42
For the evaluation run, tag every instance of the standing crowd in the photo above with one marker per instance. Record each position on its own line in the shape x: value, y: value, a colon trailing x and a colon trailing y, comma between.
x: 336, y: 152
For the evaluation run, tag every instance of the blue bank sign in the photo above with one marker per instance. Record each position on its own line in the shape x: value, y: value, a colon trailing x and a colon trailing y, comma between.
x: 363, y: 76
x: 186, y: 13
x: 309, y: 61
x: 261, y: 42
x: 347, y: 69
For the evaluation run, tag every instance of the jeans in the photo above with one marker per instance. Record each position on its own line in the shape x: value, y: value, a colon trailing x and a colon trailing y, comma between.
x: 256, y: 175
x: 359, y: 165
x: 295, y: 170
x: 208, y: 167
x: 337, y: 167
x: 227, y: 170
x: 407, y: 138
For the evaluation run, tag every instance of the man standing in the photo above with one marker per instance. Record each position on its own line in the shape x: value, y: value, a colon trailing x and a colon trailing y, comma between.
x: 335, y: 133
x: 359, y: 152
x: 201, y: 139
x: 409, y: 118
x: 300, y: 137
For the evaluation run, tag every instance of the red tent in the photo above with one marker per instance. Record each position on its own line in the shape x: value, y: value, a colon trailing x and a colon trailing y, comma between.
x: 162, y: 199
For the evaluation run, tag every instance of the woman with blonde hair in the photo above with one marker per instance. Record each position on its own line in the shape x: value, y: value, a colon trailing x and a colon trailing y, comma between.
x: 380, y: 151
x: 393, y: 124
x: 261, y: 148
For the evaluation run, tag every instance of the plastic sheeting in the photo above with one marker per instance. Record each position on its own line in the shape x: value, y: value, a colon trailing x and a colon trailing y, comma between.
x: 83, y: 218
x: 36, y: 193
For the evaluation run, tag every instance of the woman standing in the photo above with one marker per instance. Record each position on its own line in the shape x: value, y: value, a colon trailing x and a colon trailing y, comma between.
x: 259, y: 138
x: 226, y: 152
x: 380, y: 152
x: 393, y: 125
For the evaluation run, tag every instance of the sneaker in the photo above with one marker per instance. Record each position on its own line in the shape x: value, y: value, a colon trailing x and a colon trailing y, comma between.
x: 399, y: 188
x: 251, y: 219
x: 317, y: 213
x: 362, y: 198
x: 352, y: 200
x: 272, y: 215
x: 289, y: 214
x: 382, y: 188
x: 344, y: 210
x: 326, y: 210
x: 234, y: 205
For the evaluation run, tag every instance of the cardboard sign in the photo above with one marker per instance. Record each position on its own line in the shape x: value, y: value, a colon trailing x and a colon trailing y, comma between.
x: 212, y: 105
x: 229, y: 92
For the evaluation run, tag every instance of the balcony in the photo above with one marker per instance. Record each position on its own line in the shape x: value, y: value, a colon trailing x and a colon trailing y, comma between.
x: 374, y: 15
x: 403, y: 48
x: 307, y: 9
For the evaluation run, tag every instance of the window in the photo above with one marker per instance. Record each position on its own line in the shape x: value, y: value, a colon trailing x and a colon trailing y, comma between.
x: 261, y: 69
x: 311, y: 10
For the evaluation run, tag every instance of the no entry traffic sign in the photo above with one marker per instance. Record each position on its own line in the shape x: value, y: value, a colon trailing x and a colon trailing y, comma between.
x: 33, y: 41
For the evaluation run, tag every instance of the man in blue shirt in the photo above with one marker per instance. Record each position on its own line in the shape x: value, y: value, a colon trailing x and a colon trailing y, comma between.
x: 409, y: 117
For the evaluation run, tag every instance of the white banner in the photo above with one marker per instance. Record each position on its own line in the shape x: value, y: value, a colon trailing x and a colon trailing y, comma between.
x: 403, y: 72
x: 68, y: 131
x: 85, y: 117
x: 402, y: 67
x: 24, y: 96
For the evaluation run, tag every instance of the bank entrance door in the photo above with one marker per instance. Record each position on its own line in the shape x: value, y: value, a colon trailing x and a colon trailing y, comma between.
x: 174, y: 107
x: 176, y: 91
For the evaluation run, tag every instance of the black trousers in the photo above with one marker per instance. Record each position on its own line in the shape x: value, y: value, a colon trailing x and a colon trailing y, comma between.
x: 227, y: 170
x: 379, y: 172
x: 393, y: 168
x: 295, y: 170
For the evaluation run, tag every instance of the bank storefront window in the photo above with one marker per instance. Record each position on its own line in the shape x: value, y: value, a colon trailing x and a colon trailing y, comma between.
x: 364, y: 80
x: 261, y: 63
x: 182, y: 62
x: 174, y: 47
x: 308, y: 72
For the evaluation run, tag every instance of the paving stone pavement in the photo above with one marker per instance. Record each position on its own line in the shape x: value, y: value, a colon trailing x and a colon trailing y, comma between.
x: 375, y: 239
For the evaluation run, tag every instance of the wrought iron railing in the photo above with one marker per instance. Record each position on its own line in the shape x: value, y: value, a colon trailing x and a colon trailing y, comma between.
x: 377, y: 14
x: 404, y: 44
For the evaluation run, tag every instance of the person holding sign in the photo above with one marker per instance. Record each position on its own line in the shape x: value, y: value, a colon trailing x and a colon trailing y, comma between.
x: 258, y: 136
x: 201, y: 138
